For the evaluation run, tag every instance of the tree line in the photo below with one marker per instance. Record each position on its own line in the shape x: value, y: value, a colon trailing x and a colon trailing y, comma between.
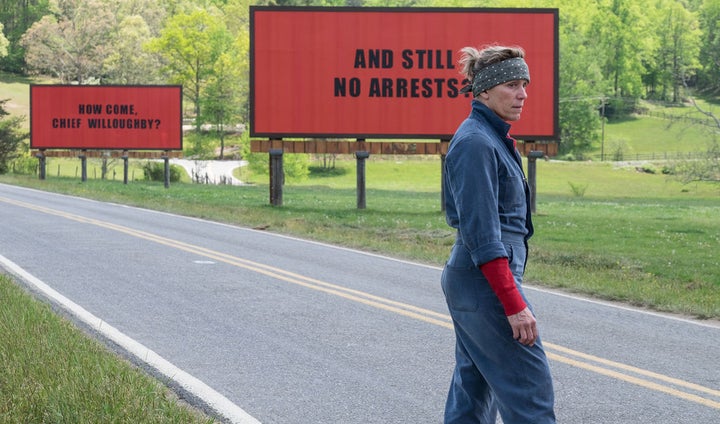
x: 613, y: 53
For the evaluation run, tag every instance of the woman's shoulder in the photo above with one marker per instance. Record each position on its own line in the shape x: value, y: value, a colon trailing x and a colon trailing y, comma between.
x: 473, y: 134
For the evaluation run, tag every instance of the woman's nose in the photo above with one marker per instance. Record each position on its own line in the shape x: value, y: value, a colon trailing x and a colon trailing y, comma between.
x: 522, y: 92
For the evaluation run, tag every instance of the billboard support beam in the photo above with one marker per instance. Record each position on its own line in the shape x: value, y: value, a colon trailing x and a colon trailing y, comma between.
x: 166, y: 159
x: 532, y: 176
x: 83, y: 166
x: 41, y: 164
x: 125, y: 166
x: 442, y: 175
x: 276, y: 176
x: 360, y: 156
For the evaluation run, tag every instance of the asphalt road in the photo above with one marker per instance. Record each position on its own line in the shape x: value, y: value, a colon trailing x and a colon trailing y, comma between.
x: 271, y: 329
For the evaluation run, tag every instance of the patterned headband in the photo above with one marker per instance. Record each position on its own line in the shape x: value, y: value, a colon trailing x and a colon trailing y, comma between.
x: 498, y: 73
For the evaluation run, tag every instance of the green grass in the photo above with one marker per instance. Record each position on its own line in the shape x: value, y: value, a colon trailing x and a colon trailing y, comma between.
x: 648, y: 135
x: 659, y: 254
x: 617, y: 181
x: 16, y: 89
x: 660, y: 132
x: 53, y: 373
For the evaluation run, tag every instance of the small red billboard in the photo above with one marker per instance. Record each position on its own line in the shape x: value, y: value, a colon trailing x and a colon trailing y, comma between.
x: 106, y: 117
x: 389, y: 72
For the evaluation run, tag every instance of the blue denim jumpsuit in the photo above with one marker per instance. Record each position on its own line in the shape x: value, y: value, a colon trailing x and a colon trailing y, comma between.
x: 487, y: 201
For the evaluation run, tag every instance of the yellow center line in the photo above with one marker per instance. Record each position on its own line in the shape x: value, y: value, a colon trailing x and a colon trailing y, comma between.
x: 637, y: 381
x: 554, y: 352
x: 635, y: 370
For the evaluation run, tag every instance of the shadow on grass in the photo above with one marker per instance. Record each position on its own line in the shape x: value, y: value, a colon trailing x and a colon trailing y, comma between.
x: 622, y: 119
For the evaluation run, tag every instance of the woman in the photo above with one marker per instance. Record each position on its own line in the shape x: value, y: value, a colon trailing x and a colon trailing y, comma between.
x: 500, y: 362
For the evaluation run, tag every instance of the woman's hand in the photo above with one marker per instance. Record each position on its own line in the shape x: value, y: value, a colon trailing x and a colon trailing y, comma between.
x: 524, y: 327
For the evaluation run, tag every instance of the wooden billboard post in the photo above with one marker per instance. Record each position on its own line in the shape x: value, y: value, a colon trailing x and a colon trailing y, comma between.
x: 360, y: 156
x: 276, y: 177
x: 41, y: 164
x: 532, y: 176
x: 83, y: 166
x: 125, y: 166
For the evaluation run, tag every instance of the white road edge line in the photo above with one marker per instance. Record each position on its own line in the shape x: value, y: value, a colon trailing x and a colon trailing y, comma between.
x: 214, y: 400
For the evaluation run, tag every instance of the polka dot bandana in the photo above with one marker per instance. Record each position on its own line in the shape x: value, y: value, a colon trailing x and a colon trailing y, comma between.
x: 498, y: 73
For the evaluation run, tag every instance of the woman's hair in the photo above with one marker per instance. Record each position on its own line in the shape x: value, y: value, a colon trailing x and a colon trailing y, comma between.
x: 473, y: 60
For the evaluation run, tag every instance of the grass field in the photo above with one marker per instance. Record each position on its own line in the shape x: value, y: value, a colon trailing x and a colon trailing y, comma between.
x: 54, y: 373
x: 653, y: 136
x: 16, y: 89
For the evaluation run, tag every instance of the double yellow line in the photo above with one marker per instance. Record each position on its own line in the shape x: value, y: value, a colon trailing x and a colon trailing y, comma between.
x: 658, y: 382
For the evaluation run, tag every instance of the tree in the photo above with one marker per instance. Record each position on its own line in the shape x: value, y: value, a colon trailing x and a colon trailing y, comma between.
x: 129, y: 62
x: 704, y: 169
x: 237, y: 20
x: 3, y: 43
x: 17, y: 16
x: 621, y: 30
x: 678, y: 48
x: 152, y: 12
x: 191, y: 45
x: 221, y: 96
x: 581, y: 79
x: 709, y: 17
x: 11, y: 137
x: 707, y: 167
x: 74, y: 45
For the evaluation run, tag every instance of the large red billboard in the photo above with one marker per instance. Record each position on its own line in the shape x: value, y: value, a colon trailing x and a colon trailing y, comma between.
x: 389, y: 72
x: 106, y: 117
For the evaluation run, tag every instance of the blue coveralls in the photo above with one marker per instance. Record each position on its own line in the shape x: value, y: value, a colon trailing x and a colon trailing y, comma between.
x: 487, y: 201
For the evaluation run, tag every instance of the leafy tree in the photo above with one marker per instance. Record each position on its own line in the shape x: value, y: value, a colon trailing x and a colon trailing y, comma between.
x: 221, y: 97
x: 129, y: 62
x: 326, y: 3
x: 17, y: 16
x: 237, y: 19
x: 709, y: 16
x: 11, y: 137
x: 678, y: 48
x: 3, y: 43
x: 620, y: 28
x: 707, y: 167
x: 581, y: 79
x: 153, y: 12
x: 74, y: 45
x: 191, y: 43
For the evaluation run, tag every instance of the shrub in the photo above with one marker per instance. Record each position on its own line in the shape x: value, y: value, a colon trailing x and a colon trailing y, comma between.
x: 578, y: 190
x: 155, y: 171
x: 11, y: 137
x: 646, y: 169
x: 25, y: 165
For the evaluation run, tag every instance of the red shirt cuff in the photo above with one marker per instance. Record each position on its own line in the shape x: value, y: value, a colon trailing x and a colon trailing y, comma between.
x: 502, y: 282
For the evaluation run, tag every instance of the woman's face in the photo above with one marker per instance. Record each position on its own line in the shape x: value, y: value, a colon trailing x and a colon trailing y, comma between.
x: 506, y: 99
